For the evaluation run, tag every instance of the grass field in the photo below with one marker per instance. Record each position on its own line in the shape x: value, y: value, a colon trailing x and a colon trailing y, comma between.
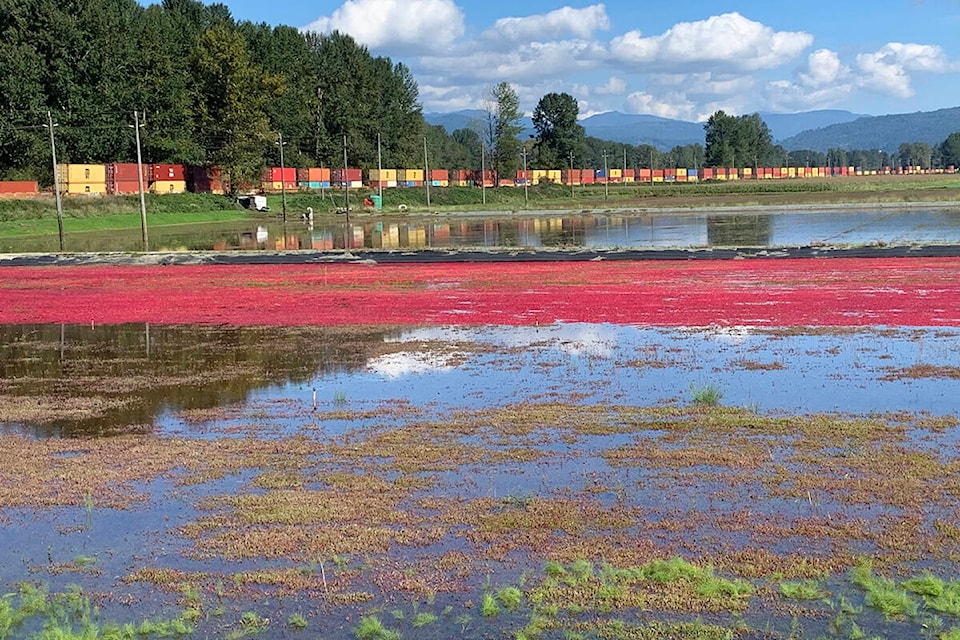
x: 37, y: 216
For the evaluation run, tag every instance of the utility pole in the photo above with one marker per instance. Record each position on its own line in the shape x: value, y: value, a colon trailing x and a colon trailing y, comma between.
x: 571, y: 175
x: 379, y: 170
x: 483, y: 172
x: 606, y: 177
x: 143, y: 201
x: 56, y: 177
x: 526, y: 178
x: 426, y: 170
x: 346, y: 197
x: 283, y: 182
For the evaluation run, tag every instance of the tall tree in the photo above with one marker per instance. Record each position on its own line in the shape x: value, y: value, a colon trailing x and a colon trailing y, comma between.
x: 950, y: 150
x: 558, y: 133
x: 743, y: 141
x: 502, y: 129
x: 362, y: 97
x: 232, y: 93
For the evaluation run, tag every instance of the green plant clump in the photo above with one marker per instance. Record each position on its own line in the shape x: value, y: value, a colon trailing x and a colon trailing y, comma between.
x: 371, y: 628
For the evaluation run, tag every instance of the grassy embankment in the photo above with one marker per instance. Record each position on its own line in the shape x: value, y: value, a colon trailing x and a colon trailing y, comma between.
x: 37, y: 216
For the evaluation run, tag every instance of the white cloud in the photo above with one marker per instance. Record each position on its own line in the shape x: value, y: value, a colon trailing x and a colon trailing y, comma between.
x: 728, y: 41
x: 559, y: 23
x: 614, y: 87
x: 535, y: 61
x: 396, y: 25
x: 823, y: 69
x: 878, y: 73
x: 670, y: 106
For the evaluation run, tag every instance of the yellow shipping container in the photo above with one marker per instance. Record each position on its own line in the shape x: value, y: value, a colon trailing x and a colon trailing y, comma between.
x: 383, y: 175
x: 410, y: 175
x: 657, y: 178
x: 537, y: 175
x: 791, y: 172
x: 174, y: 186
x: 554, y: 175
x: 76, y: 188
x: 616, y: 173
x: 629, y: 178
x: 83, y: 173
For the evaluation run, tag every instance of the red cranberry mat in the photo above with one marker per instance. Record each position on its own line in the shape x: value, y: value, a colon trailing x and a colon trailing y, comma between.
x: 756, y: 292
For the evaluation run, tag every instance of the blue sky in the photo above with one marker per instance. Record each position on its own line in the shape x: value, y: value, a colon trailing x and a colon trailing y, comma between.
x: 681, y: 59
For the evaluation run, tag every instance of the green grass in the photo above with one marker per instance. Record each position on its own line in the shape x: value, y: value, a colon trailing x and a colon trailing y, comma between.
x: 883, y: 594
x: 708, y: 395
x: 488, y: 606
x: 69, y: 615
x: 371, y: 628
x: 803, y: 590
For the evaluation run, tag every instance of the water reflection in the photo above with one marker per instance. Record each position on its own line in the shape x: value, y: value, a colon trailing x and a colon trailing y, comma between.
x: 69, y: 380
x: 624, y: 230
x: 75, y: 380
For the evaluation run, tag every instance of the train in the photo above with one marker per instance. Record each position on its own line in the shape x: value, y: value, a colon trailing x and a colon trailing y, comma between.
x: 120, y: 178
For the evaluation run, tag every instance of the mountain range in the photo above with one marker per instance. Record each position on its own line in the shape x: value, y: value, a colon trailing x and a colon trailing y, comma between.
x: 814, y: 130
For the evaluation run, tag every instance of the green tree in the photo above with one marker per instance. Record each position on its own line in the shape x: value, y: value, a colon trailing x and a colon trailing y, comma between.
x: 743, y: 141
x: 558, y: 133
x: 950, y: 150
x: 232, y: 92
x: 360, y: 96
x: 502, y: 129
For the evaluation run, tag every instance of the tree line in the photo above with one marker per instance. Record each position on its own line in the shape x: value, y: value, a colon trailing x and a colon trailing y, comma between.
x: 217, y: 91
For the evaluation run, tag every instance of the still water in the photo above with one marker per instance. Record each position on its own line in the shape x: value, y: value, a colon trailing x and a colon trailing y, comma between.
x: 350, y: 472
x: 841, y: 227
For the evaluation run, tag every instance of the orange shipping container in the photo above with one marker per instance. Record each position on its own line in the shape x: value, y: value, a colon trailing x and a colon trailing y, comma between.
x: 17, y: 186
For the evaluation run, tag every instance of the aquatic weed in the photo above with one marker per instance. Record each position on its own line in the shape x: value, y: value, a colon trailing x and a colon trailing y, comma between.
x: 371, y: 628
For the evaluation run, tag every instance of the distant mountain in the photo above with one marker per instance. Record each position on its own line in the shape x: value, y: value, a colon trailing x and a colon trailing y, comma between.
x: 881, y: 132
x: 816, y: 130
x: 785, y: 125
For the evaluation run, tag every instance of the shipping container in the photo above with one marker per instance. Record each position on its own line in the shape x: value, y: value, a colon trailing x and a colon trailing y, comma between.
x: 644, y: 175
x: 121, y: 187
x: 707, y: 173
x: 124, y: 172
x: 319, y: 174
x: 587, y: 176
x: 410, y: 175
x: 570, y: 177
x: 18, y: 187
x: 681, y: 174
x: 166, y: 172
x: 383, y: 175
x: 441, y: 175
x: 83, y: 174
x: 168, y: 186
x: 692, y: 175
x: 203, y: 179
x: 630, y: 175
x: 78, y: 188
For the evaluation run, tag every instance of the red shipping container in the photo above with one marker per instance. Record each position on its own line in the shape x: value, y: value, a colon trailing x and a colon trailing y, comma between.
x: 287, y: 174
x: 644, y: 175
x: 124, y: 186
x: 157, y: 172
x: 630, y: 173
x: 18, y: 186
x: 658, y: 173
x: 588, y: 176
x: 439, y: 174
x: 707, y: 174
x: 303, y: 175
x: 124, y: 172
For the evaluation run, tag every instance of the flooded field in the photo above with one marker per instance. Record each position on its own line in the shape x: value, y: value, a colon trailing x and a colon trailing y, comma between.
x: 622, y: 229
x: 549, y: 480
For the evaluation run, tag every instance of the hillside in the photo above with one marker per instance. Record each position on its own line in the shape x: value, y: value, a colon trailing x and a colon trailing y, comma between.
x: 881, y: 132
x: 815, y: 130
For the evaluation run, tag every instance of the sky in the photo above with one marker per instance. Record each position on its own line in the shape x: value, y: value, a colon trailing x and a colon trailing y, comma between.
x: 680, y: 59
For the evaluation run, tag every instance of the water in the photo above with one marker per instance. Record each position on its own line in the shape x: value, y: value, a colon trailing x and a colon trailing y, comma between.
x: 423, y: 466
x: 848, y: 226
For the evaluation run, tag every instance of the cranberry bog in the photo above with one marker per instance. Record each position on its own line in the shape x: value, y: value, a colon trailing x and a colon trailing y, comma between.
x: 758, y: 448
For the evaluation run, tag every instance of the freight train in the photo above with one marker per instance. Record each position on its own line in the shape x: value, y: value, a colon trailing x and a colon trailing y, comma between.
x: 122, y: 178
